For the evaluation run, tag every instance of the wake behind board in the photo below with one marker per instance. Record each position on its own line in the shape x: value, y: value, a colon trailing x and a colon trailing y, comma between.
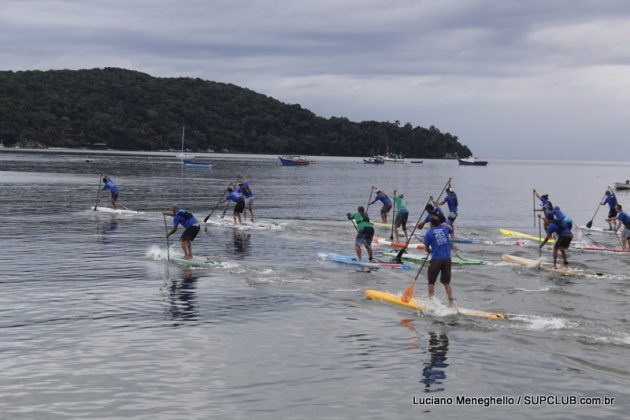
x: 515, y: 234
x: 346, y: 259
x: 195, y: 262
x: 116, y: 211
x: 418, y: 304
x: 417, y: 258
x: 599, y: 249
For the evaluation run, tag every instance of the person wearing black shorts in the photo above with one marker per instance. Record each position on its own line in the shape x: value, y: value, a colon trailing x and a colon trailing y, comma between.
x: 189, y: 222
x: 365, y: 232
x: 239, y: 207
x: 564, y: 238
x: 437, y: 243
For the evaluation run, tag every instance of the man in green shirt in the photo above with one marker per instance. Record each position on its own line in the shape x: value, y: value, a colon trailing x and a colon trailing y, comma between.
x: 402, y: 214
x: 365, y: 232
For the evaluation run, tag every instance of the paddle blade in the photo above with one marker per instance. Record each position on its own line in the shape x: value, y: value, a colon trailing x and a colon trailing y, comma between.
x: 407, y: 294
x: 589, y: 224
x: 205, y: 219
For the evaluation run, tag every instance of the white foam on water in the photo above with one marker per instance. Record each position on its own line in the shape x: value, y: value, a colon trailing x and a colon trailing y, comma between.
x: 544, y: 289
x: 542, y: 323
x: 161, y: 254
x: 436, y: 308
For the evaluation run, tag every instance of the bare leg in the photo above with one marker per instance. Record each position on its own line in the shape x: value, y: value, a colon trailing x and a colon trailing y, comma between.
x: 406, y: 234
x: 383, y: 216
x: 184, y: 248
x: 564, y: 257
x: 449, y: 293
x: 431, y: 290
x: 251, y: 214
x: 369, y: 250
x: 357, y: 249
x: 555, y: 256
x: 114, y: 203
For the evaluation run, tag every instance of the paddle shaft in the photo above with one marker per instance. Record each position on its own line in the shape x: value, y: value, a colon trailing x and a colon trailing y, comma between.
x: 534, y: 205
x: 599, y: 204
x: 406, y: 297
x: 168, y: 245
x: 98, y: 192
x: 225, y: 210
x: 391, y: 234
x: 369, y: 200
x: 540, y: 236
x: 415, y: 226
x: 215, y: 207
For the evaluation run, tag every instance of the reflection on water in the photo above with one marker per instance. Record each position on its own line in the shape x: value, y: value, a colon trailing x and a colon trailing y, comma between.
x: 434, y: 371
x: 182, y: 297
x: 241, y: 243
x: 105, y: 230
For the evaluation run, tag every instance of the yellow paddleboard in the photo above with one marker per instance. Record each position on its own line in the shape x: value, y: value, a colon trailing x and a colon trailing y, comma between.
x: 420, y: 305
x: 514, y: 234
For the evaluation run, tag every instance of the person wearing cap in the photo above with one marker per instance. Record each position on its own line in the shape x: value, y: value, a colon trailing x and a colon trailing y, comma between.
x: 108, y: 184
x: 431, y: 212
x: 546, y: 206
x: 190, y: 224
x: 237, y: 197
x: 564, y: 238
x: 387, y: 204
x: 451, y: 201
x: 611, y: 199
x: 402, y: 214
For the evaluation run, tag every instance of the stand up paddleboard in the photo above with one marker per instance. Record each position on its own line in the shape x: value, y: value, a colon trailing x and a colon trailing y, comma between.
x: 515, y: 234
x: 346, y: 259
x: 382, y: 241
x: 417, y: 258
x: 195, y: 262
x: 526, y: 262
x: 418, y: 304
x: 597, y: 230
x: 116, y: 211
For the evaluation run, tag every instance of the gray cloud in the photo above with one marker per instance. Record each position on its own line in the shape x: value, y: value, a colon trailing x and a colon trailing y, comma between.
x: 510, y: 78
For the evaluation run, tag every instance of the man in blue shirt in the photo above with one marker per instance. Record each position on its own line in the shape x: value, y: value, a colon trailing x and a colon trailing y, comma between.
x: 237, y: 197
x: 187, y: 220
x: 564, y: 238
x: 623, y: 219
x: 248, y: 195
x: 387, y: 204
x: 438, y: 244
x: 109, y: 185
x: 432, y: 211
x: 611, y: 199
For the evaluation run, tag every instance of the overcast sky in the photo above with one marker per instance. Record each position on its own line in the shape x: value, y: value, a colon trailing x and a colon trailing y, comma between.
x: 510, y: 78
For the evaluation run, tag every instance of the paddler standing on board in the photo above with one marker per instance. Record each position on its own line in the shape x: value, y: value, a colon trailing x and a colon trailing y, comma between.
x: 451, y: 201
x: 187, y: 220
x: 438, y: 244
x: 365, y: 232
x: 611, y: 199
x: 108, y: 184
x: 387, y: 204
x: 563, y: 240
x: 248, y: 195
x: 547, y: 207
x: 431, y: 212
x: 237, y: 197
x: 623, y: 219
x: 402, y: 215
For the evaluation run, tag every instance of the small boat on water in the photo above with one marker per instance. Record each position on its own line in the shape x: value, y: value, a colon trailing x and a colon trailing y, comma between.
x: 622, y: 185
x: 393, y: 158
x: 294, y: 160
x: 377, y: 160
x: 197, y: 163
x: 472, y: 161
x: 416, y: 161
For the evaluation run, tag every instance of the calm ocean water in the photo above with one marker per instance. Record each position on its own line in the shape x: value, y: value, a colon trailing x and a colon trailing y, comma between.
x: 97, y: 325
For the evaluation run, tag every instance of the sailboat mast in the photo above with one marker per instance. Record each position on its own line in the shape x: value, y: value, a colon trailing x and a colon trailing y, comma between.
x: 183, y: 129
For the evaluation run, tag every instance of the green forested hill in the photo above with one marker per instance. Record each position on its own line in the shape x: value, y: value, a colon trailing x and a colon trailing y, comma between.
x: 129, y: 110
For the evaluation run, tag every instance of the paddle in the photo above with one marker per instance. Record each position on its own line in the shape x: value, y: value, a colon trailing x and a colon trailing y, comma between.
x: 100, y: 179
x: 534, y: 205
x: 590, y: 222
x: 168, y: 245
x: 419, y: 219
x: 408, y: 293
x: 540, y: 236
x: 225, y: 210
x: 391, y: 234
x: 369, y: 199
x: 215, y: 207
